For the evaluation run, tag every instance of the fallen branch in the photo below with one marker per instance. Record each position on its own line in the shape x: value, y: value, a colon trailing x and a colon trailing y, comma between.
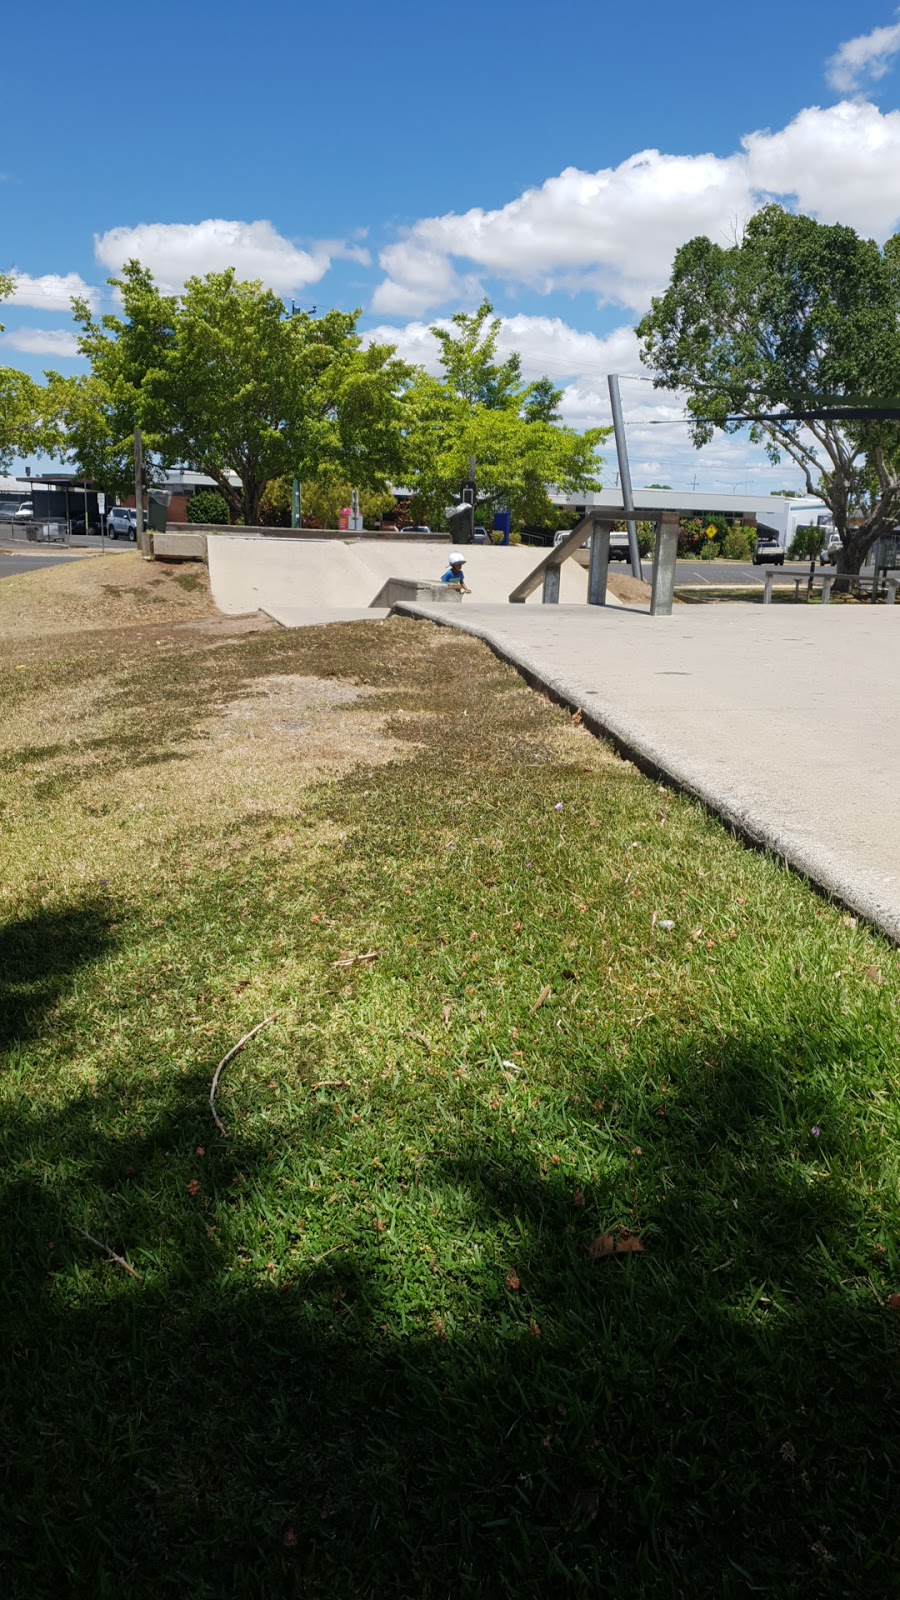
x: 224, y: 1062
x: 332, y: 1083
x: 351, y: 961
x: 110, y: 1253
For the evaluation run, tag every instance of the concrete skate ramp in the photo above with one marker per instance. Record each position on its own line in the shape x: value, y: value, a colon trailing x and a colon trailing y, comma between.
x: 287, y: 577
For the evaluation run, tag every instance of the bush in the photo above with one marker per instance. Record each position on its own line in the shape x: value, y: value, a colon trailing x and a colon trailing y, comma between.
x: 275, y: 505
x: 806, y: 543
x: 207, y: 505
x: 710, y: 550
x: 739, y: 543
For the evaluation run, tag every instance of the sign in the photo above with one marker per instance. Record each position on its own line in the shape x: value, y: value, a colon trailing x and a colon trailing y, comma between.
x: 101, y: 503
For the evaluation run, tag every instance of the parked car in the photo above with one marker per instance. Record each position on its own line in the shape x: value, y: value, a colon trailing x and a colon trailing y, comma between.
x: 768, y: 549
x: 77, y: 525
x: 829, y: 552
x: 618, y: 546
x: 481, y: 536
x: 121, y: 522
x: 24, y: 512
x: 417, y: 527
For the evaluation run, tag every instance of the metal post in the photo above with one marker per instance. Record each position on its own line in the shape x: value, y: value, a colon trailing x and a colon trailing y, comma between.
x: 877, y: 559
x: 550, y: 596
x: 296, y: 505
x: 598, y: 565
x: 664, y: 565
x: 624, y: 474
x: 142, y: 532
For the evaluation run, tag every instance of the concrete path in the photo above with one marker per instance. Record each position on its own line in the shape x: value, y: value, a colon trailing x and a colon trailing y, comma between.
x: 280, y: 576
x: 783, y: 719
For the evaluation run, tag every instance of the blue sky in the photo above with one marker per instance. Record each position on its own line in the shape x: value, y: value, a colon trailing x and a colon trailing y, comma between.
x: 406, y: 159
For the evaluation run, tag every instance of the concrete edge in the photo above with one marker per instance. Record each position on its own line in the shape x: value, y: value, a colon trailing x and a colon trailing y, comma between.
x: 660, y: 766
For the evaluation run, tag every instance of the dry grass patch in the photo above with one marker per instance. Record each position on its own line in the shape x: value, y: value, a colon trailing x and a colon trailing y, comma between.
x: 101, y: 592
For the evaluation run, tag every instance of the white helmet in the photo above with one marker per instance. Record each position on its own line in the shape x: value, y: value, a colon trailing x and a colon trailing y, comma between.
x: 456, y: 560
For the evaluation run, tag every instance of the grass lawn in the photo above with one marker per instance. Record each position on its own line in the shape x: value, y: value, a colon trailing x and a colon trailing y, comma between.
x: 368, y: 1352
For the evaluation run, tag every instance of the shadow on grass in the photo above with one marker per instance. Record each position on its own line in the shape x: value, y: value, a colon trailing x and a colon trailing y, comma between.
x: 39, y: 958
x: 717, y: 1416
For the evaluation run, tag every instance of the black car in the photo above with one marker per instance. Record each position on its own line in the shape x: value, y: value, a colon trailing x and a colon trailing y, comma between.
x: 76, y: 525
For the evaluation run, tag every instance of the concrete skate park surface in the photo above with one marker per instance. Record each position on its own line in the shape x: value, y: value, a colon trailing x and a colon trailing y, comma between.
x: 299, y: 581
x: 783, y: 719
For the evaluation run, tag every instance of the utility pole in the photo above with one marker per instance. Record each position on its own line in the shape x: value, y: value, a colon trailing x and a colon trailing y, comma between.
x: 296, y: 505
x: 624, y: 474
x: 142, y: 531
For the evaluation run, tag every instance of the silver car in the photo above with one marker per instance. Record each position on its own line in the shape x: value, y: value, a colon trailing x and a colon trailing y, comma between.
x: 121, y: 522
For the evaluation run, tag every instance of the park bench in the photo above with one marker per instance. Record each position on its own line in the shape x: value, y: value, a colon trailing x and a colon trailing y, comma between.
x: 827, y: 580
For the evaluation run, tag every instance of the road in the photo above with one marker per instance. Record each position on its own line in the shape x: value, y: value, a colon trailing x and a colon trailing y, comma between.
x: 11, y: 565
x: 711, y: 573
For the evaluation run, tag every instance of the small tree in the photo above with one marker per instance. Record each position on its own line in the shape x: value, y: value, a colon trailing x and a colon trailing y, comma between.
x: 805, y: 545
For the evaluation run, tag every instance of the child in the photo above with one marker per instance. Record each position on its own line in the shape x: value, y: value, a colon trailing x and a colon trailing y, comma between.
x: 454, y: 573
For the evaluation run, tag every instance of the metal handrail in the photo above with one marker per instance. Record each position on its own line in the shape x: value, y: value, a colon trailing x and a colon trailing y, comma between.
x: 553, y: 560
x: 595, y: 525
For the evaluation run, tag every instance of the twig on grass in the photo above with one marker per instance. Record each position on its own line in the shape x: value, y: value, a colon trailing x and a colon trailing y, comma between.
x: 224, y: 1062
x: 544, y: 995
x: 110, y: 1253
x: 352, y: 961
x: 331, y: 1083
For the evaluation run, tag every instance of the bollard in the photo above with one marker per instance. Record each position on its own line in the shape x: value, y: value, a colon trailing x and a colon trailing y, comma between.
x: 598, y: 565
x: 664, y: 565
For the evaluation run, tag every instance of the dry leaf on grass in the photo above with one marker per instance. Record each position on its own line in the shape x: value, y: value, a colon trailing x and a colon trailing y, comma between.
x: 894, y: 1302
x: 622, y: 1243
x: 445, y: 1016
x: 544, y: 995
x: 874, y: 973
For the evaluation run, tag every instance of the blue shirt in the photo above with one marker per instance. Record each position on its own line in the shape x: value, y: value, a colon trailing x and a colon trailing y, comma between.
x: 453, y: 577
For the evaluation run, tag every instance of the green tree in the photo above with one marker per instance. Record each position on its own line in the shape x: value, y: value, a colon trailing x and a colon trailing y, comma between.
x: 22, y: 417
x: 222, y: 381
x: 481, y: 408
x: 467, y: 357
x: 796, y: 316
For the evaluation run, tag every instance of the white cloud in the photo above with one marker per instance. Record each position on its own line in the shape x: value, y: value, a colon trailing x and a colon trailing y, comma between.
x: 42, y: 341
x: 175, y: 251
x: 864, y: 59
x: 840, y: 165
x: 614, y: 232
x: 51, y: 292
x: 547, y: 345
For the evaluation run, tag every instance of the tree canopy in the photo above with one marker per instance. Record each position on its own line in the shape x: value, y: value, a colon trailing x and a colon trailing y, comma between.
x: 796, y: 316
x: 482, y: 407
x: 222, y: 381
